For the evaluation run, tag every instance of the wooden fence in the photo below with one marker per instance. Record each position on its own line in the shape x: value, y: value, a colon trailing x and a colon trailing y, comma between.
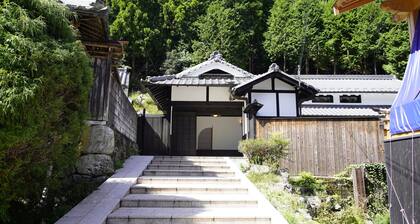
x: 325, y: 147
x: 153, y: 135
x: 403, y: 165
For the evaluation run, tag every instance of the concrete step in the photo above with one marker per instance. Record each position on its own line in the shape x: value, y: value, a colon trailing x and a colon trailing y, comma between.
x: 187, y: 167
x: 191, y: 159
x: 195, y: 173
x: 186, y: 189
x: 188, y: 201
x: 188, y: 180
x: 196, y: 163
x: 187, y: 158
x: 188, y: 216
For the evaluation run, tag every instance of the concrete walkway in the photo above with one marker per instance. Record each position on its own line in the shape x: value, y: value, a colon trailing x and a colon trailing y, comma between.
x: 176, y: 190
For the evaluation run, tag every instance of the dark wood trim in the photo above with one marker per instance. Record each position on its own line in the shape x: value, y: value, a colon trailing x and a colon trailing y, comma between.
x: 277, y: 104
x: 272, y: 84
x: 202, y: 103
x: 317, y: 118
x: 230, y: 115
x: 272, y: 91
x: 249, y: 97
x: 207, y: 93
x: 297, y: 104
x: 219, y: 153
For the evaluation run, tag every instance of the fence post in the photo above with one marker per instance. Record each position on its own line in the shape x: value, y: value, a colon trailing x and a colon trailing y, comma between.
x: 359, y: 189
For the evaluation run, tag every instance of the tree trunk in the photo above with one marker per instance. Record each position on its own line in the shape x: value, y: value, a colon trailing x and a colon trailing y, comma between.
x: 306, y: 65
x: 284, y: 62
x: 374, y: 65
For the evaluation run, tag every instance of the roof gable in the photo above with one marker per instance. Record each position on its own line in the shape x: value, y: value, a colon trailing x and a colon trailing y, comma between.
x: 305, y: 91
x: 215, y: 62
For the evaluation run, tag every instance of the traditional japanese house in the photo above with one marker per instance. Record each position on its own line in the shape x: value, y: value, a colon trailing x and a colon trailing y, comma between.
x: 211, y: 106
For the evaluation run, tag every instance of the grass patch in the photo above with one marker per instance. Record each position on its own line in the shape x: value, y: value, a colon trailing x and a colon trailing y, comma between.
x: 289, y: 205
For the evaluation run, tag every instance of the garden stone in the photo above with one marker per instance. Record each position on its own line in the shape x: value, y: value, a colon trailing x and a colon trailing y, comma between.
x: 314, y: 202
x: 102, y: 140
x: 259, y: 169
x: 95, y: 165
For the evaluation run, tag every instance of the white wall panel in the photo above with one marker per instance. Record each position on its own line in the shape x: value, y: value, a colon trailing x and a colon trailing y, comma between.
x: 264, y: 85
x: 269, y: 101
x: 367, y: 99
x: 287, y: 104
x: 280, y: 85
x: 188, y: 93
x: 219, y: 94
x: 227, y: 131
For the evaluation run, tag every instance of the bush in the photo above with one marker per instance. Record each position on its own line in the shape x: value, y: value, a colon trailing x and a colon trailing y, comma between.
x: 45, y: 76
x: 306, y: 183
x: 383, y: 218
x: 265, y: 151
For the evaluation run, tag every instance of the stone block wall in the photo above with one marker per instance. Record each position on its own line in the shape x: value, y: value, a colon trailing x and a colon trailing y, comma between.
x: 112, y: 140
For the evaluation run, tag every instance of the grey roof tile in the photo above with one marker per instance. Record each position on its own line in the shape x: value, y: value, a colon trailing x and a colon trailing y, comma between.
x: 334, y: 111
x: 353, y: 83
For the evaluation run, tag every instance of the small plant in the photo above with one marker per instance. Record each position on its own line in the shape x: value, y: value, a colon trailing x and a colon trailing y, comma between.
x: 383, y: 218
x: 307, y: 183
x: 265, y: 151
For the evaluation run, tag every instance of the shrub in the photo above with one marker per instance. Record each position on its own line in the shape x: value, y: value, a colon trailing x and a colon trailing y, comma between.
x: 382, y: 218
x: 306, y: 183
x: 45, y: 76
x: 265, y: 151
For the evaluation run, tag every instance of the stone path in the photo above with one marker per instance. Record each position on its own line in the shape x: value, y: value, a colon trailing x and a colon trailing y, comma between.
x: 186, y: 190
x: 179, y: 190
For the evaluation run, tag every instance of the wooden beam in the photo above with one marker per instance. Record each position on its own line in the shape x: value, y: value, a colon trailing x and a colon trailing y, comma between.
x: 412, y: 18
x: 342, y: 6
x: 401, y: 5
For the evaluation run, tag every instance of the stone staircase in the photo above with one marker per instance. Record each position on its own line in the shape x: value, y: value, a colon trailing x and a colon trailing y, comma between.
x: 190, y: 190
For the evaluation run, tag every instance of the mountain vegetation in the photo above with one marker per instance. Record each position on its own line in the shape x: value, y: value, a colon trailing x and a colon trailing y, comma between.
x: 169, y: 35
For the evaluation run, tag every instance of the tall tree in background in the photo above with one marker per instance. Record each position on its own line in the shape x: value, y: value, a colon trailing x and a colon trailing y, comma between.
x: 307, y: 33
x: 140, y: 23
x: 394, y: 44
x: 168, y: 35
x: 230, y: 27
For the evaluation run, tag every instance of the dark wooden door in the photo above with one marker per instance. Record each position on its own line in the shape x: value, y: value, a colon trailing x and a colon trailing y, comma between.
x: 184, y: 134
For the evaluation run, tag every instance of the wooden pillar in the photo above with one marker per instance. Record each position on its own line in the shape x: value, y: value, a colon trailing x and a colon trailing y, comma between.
x: 412, y: 24
x: 359, y: 189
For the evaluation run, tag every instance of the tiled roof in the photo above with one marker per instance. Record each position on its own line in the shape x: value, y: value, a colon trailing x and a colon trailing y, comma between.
x: 196, y: 81
x: 334, y: 111
x: 191, y: 76
x: 353, y: 83
x: 84, y: 4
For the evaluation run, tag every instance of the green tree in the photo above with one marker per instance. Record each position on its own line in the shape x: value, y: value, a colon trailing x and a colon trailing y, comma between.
x: 395, y: 49
x: 45, y: 77
x: 140, y: 22
x: 230, y: 27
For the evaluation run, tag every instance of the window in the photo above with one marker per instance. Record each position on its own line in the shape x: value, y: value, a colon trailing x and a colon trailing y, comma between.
x: 350, y: 99
x: 323, y: 99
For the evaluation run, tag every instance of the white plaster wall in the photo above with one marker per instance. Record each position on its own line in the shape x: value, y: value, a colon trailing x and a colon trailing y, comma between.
x: 264, y: 85
x: 280, y: 85
x: 269, y: 102
x: 219, y: 94
x: 287, y: 104
x: 367, y: 98
x: 188, y: 93
x: 227, y: 131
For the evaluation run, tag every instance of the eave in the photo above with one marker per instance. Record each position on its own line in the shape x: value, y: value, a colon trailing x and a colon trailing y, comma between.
x: 401, y: 9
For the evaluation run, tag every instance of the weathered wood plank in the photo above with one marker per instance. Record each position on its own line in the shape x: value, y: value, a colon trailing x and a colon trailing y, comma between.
x: 326, y: 147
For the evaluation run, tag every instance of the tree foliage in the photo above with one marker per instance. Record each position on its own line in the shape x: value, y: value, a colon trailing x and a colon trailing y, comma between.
x: 45, y: 76
x: 306, y: 33
x: 254, y: 33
